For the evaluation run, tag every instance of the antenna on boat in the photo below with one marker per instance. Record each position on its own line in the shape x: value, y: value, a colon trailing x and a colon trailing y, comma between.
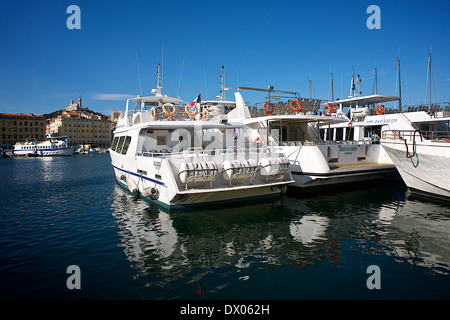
x: 331, y: 86
x: 179, y: 79
x: 162, y: 64
x: 139, y: 73
x: 206, y: 89
x: 375, y: 81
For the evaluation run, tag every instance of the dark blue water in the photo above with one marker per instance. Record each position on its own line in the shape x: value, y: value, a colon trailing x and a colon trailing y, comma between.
x: 58, y: 212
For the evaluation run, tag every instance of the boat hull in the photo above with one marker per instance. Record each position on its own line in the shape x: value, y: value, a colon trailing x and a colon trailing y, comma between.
x: 157, y: 180
x: 330, y: 165
x: 191, y: 199
x: 46, y: 152
x: 425, y: 170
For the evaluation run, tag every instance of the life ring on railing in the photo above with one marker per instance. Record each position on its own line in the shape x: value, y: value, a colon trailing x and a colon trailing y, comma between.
x: 153, y: 113
x: 192, y: 114
x: 258, y: 140
x: 271, y: 108
x: 205, y: 114
x: 299, y: 108
x: 170, y: 113
x: 331, y: 108
x: 380, y: 109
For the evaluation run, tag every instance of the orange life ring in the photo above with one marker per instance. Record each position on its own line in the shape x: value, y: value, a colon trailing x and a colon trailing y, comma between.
x: 153, y: 113
x: 331, y: 108
x: 380, y: 109
x: 192, y: 114
x: 299, y: 108
x: 167, y: 112
x: 271, y: 108
x: 258, y: 140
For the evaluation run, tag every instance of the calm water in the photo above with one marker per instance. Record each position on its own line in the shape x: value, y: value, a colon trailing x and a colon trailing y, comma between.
x: 57, y: 212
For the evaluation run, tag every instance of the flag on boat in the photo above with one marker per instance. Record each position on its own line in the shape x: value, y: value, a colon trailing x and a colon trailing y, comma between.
x: 196, y: 100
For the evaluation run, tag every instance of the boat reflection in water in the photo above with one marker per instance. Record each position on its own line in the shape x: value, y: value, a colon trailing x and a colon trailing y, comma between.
x: 216, y: 251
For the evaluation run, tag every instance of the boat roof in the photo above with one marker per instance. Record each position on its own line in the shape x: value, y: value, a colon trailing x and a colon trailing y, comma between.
x: 163, y: 98
x: 365, y: 100
x: 297, y: 118
x: 183, y: 124
x: 218, y: 102
x: 442, y: 119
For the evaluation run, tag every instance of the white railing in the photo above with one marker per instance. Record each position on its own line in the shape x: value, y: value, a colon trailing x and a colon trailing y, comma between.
x: 411, y: 135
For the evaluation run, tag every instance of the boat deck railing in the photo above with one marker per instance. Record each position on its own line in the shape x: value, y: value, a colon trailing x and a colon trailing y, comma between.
x: 411, y: 135
x: 322, y: 142
x: 198, y: 152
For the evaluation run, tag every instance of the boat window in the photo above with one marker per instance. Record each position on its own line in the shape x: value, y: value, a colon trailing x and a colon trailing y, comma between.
x: 126, y: 145
x: 161, y: 140
x: 339, y: 134
x: 114, y: 144
x: 119, y: 145
x: 149, y: 105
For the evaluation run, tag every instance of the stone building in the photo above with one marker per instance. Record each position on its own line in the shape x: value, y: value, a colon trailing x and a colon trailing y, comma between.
x: 18, y: 127
x: 81, y: 126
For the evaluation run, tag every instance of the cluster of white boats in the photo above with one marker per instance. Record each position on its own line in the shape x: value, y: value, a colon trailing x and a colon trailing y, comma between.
x: 180, y: 154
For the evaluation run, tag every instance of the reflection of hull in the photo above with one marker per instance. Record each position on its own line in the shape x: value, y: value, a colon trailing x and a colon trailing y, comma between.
x: 291, y: 232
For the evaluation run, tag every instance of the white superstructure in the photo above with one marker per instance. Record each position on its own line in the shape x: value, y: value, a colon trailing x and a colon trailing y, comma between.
x: 163, y: 151
x: 315, y: 160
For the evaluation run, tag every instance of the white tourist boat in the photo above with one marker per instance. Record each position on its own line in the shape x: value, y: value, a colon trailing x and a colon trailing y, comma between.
x: 52, y: 146
x: 162, y: 153
x: 314, y: 160
x: 422, y: 157
x: 414, y: 137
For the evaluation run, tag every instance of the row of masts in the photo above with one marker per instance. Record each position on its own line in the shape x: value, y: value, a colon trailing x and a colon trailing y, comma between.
x: 354, y: 85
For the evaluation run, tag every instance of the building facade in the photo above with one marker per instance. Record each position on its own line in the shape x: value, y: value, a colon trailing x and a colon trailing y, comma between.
x: 81, y: 127
x: 18, y: 127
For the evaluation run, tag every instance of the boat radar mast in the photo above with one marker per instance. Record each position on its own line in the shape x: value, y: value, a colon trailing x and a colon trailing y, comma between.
x: 158, y: 83
x: 354, y: 88
x: 222, y: 85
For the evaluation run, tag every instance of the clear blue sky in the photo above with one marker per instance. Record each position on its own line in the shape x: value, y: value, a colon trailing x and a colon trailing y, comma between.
x: 43, y: 64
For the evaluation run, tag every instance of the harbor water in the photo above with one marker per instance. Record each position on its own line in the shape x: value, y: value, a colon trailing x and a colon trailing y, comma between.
x: 368, y: 242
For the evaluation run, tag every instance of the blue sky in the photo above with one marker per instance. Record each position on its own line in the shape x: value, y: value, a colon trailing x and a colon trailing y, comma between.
x: 281, y: 43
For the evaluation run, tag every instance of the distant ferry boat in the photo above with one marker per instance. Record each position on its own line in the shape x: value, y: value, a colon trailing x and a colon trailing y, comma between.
x: 53, y: 146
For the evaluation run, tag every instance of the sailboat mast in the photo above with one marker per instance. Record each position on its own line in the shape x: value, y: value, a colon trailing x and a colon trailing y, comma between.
x: 399, y: 86
x: 429, y: 72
